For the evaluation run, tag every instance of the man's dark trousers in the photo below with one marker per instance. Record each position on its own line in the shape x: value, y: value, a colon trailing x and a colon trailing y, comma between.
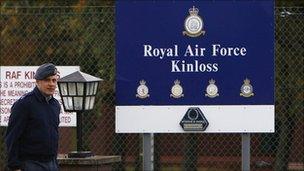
x: 31, y: 165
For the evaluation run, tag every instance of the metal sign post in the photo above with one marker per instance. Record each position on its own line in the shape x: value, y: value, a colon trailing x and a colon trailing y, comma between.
x: 148, y: 151
x: 246, y: 152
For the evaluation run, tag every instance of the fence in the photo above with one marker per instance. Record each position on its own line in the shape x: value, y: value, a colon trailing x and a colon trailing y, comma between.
x: 84, y: 36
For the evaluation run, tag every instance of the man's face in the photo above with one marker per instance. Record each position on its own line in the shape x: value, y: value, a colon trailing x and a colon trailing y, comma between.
x: 48, y: 85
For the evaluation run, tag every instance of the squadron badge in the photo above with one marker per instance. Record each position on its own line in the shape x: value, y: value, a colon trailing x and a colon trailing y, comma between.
x: 142, y: 90
x: 211, y: 90
x: 176, y: 90
x: 246, y: 89
x: 193, y: 24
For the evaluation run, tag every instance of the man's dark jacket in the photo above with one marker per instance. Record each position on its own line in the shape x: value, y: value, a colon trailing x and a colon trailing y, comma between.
x: 32, y: 132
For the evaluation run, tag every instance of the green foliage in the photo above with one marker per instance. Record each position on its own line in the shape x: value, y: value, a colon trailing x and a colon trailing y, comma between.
x: 34, y: 32
x: 2, y: 146
x: 72, y: 35
x: 289, y: 3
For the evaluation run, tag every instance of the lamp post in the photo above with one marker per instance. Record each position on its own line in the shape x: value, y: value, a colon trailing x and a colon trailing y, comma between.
x: 77, y: 92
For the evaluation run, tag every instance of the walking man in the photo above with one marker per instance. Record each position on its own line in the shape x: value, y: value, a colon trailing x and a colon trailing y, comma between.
x: 32, y: 132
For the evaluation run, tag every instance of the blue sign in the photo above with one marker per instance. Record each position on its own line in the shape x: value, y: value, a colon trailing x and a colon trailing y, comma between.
x: 213, y: 56
x: 195, y: 53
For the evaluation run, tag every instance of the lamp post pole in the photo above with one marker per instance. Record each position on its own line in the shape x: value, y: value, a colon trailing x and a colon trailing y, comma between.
x: 80, y: 153
x: 79, y: 131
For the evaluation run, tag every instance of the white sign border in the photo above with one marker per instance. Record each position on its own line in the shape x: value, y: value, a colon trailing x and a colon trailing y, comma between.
x: 221, y: 118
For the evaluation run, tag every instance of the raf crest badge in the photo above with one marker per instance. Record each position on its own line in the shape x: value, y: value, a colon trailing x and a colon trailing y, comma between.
x: 142, y: 90
x: 194, y: 24
x: 211, y: 90
x: 176, y: 90
x: 246, y: 89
